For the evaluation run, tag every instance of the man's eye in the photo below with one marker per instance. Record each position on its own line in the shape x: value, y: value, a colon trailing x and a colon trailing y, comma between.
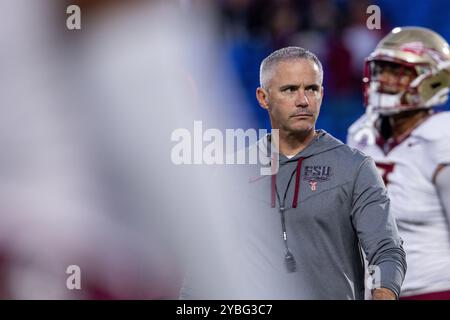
x: 312, y: 89
x: 289, y: 89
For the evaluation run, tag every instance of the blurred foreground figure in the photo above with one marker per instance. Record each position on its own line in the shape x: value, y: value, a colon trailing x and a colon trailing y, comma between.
x: 86, y: 171
x: 407, y: 75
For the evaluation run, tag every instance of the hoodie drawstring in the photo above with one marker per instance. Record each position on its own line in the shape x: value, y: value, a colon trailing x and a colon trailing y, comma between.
x: 296, y: 189
x: 297, y: 182
x: 273, y: 190
x: 289, y: 259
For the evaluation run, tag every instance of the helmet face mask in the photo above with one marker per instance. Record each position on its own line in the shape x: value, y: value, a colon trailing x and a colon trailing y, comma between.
x: 408, y: 70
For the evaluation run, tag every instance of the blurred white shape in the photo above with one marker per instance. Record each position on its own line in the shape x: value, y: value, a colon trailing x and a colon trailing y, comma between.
x: 86, y: 176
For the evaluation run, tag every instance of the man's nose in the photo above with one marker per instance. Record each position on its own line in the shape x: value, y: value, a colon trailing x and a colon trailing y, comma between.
x: 301, y: 99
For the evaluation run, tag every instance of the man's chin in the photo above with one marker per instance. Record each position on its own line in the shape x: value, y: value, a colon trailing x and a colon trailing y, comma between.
x: 304, y: 130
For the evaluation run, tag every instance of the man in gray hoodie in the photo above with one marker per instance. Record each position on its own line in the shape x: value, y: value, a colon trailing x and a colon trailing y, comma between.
x: 330, y: 198
x: 307, y: 225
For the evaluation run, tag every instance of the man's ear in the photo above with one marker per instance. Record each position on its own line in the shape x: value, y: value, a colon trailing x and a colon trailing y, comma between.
x: 263, y: 97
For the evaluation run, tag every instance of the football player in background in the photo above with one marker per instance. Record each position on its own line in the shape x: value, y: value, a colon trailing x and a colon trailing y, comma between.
x: 407, y: 75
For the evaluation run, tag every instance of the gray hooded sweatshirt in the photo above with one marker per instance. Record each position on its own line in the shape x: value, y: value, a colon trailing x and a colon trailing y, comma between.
x: 302, y: 234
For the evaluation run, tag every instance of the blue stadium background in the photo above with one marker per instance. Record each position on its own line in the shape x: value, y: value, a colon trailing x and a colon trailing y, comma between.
x: 333, y: 29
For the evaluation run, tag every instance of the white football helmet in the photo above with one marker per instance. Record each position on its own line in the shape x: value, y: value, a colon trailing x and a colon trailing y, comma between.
x: 418, y: 53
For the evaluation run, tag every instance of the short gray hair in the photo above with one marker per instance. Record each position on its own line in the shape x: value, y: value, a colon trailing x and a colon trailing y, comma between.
x: 283, y: 54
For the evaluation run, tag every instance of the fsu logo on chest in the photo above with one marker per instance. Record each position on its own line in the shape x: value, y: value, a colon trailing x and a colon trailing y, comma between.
x: 316, y: 174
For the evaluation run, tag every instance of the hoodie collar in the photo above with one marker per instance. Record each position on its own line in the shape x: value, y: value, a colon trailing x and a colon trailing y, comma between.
x: 327, y: 142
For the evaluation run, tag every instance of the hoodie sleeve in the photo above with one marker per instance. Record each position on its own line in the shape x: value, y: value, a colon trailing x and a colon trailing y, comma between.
x: 376, y: 228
